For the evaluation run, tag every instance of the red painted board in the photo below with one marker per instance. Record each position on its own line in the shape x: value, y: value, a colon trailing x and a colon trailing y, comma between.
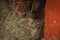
x: 52, y: 20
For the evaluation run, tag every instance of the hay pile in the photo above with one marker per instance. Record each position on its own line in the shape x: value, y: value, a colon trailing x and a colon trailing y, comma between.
x: 12, y: 26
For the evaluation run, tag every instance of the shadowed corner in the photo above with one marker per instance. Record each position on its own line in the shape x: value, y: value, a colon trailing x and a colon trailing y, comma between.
x: 39, y: 15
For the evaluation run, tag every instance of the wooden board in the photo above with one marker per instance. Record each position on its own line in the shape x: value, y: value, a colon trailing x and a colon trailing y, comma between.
x: 52, y: 20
